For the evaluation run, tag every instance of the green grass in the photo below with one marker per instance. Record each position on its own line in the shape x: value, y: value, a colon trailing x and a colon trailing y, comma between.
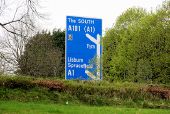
x: 13, y: 107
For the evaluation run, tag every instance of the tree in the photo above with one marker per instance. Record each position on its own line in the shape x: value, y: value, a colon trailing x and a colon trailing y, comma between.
x: 58, y: 37
x: 142, y: 53
x: 1, y: 67
x: 17, y: 21
x: 116, y: 41
x: 13, y: 47
x: 23, y: 12
x: 129, y: 17
x: 110, y: 42
x: 42, y: 57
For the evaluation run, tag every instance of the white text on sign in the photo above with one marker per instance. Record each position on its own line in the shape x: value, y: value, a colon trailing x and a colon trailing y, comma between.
x: 90, y: 46
x: 81, y: 21
x: 75, y: 25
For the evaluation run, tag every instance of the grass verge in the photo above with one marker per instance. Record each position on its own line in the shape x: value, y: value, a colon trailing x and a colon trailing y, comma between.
x: 13, y: 107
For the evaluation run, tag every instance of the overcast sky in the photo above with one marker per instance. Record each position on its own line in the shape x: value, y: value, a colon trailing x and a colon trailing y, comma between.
x: 108, y: 10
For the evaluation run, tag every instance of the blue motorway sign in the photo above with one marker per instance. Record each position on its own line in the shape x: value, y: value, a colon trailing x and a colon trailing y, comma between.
x: 83, y: 48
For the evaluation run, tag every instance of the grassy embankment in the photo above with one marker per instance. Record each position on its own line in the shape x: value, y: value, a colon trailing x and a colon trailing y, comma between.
x: 94, y: 93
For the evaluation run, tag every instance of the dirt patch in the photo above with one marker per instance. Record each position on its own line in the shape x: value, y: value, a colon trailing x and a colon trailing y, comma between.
x: 52, y: 85
x: 164, y: 93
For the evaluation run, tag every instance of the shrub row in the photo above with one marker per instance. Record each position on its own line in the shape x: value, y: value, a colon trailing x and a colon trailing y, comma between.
x: 16, y: 82
x: 93, y: 93
x: 78, y: 89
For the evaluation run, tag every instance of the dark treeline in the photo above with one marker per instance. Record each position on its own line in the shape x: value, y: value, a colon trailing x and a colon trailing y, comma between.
x: 44, y: 55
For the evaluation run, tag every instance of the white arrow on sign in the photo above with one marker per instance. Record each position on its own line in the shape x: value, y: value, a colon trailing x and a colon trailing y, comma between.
x: 91, y: 75
x: 97, y: 42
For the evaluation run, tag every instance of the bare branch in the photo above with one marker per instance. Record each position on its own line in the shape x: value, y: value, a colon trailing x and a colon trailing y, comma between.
x: 27, y: 16
x: 13, y: 21
x: 17, y: 29
x: 12, y: 32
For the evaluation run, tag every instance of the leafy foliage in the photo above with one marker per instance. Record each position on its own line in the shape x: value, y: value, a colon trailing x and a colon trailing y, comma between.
x: 137, y: 47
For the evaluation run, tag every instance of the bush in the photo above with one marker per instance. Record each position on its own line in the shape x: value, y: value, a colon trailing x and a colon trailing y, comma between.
x: 86, y: 92
x: 16, y: 82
